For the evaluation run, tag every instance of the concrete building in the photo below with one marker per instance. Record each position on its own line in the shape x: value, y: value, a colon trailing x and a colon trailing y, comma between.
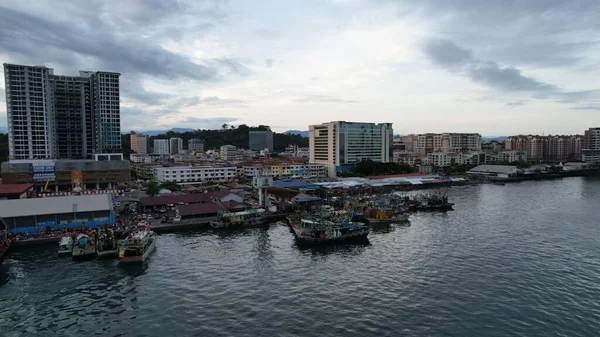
x: 33, y: 215
x: 591, y: 151
x: 229, y: 153
x: 196, y: 145
x: 552, y: 147
x: 175, y: 145
x: 139, y: 144
x: 592, y: 138
x: 512, y: 156
x: 63, y: 174
x: 337, y: 144
x: 286, y: 171
x: 52, y: 116
x: 161, y: 146
x: 426, y: 143
x: 260, y: 140
x: 195, y: 174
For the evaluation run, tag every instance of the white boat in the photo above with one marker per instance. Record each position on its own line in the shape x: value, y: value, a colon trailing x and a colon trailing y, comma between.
x: 137, y: 246
x: 65, y: 246
x: 84, y: 246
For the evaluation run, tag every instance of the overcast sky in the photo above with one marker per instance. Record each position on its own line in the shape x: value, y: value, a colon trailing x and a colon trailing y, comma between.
x: 494, y: 67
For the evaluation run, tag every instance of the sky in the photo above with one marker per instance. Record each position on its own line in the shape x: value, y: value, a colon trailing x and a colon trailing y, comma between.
x: 493, y: 67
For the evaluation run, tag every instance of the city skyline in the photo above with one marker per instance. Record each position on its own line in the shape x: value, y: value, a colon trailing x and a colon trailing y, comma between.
x: 429, y: 66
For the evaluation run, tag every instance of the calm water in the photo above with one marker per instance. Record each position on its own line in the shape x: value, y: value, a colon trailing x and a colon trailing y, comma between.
x: 515, y: 260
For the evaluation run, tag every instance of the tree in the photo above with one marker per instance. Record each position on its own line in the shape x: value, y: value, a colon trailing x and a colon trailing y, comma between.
x: 170, y: 185
x: 151, y: 188
x: 232, y: 127
x: 224, y: 126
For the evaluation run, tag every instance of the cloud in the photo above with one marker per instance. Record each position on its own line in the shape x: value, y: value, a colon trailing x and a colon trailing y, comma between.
x: 515, y: 104
x: 452, y: 57
x: 587, y: 107
x: 323, y: 99
x: 2, y: 95
x: 269, y: 63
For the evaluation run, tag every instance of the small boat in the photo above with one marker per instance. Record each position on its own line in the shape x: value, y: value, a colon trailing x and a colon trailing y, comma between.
x: 246, y: 219
x: 65, y: 246
x: 308, y: 231
x: 84, y: 246
x: 106, y: 243
x: 137, y: 246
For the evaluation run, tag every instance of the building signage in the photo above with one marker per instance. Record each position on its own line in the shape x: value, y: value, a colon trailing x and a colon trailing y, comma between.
x: 43, y: 172
x: 76, y: 181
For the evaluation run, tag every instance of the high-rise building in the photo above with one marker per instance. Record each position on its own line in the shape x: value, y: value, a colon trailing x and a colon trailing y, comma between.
x: 161, y: 146
x: 339, y: 143
x: 139, y: 143
x: 557, y: 147
x: 591, y: 150
x: 175, y: 145
x: 260, y: 140
x: 52, y: 116
x: 196, y: 145
x: 426, y: 143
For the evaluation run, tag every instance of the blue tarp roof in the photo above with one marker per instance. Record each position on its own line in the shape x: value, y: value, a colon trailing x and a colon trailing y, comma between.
x: 295, y: 184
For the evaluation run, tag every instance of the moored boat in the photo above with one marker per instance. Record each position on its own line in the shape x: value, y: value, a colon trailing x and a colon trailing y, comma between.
x: 106, y: 243
x: 246, y: 219
x: 84, y: 246
x: 388, y: 219
x: 137, y: 246
x: 65, y: 246
x: 314, y: 231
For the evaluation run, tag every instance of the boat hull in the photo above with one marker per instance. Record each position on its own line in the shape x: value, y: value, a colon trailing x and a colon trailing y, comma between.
x: 108, y: 253
x: 355, y: 237
x: 84, y: 253
x: 63, y: 252
x: 140, y: 258
x: 397, y: 218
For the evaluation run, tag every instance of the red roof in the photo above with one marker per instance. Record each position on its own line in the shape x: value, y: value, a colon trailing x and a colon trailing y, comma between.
x: 399, y: 176
x: 198, y: 209
x: 14, y: 188
x: 184, y: 198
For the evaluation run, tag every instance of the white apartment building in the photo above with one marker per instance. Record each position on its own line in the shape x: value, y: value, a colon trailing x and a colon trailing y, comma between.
x: 161, y: 146
x: 195, y: 174
x: 139, y: 143
x: 339, y: 143
x: 591, y: 153
x: 229, y: 153
x: 195, y: 145
x: 512, y: 156
x: 445, y: 159
x: 423, y: 144
x: 175, y: 145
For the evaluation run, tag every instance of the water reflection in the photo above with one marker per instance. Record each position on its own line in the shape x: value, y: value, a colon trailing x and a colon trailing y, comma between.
x: 324, y: 250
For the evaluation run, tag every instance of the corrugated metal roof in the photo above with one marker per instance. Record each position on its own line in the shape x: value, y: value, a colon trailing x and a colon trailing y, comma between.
x: 14, y: 188
x: 55, y: 205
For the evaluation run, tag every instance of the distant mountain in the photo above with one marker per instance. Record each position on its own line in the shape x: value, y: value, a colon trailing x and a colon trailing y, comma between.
x: 3, y: 129
x: 296, y: 132
x: 162, y: 132
x: 499, y: 139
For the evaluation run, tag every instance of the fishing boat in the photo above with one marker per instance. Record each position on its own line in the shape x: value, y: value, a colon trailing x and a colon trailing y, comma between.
x: 137, y: 246
x: 246, y: 219
x: 65, y: 246
x: 84, y: 246
x: 385, y: 217
x: 106, y: 243
x: 315, y: 231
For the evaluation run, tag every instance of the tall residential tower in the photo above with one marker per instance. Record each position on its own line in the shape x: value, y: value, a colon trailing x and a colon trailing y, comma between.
x: 53, y: 116
x: 336, y: 144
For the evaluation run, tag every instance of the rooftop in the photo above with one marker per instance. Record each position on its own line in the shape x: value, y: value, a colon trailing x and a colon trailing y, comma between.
x: 6, y: 189
x: 494, y: 168
x: 55, y: 205
x: 195, y: 198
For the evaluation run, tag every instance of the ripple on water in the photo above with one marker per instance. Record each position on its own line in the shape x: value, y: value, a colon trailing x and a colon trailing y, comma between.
x: 518, y: 260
